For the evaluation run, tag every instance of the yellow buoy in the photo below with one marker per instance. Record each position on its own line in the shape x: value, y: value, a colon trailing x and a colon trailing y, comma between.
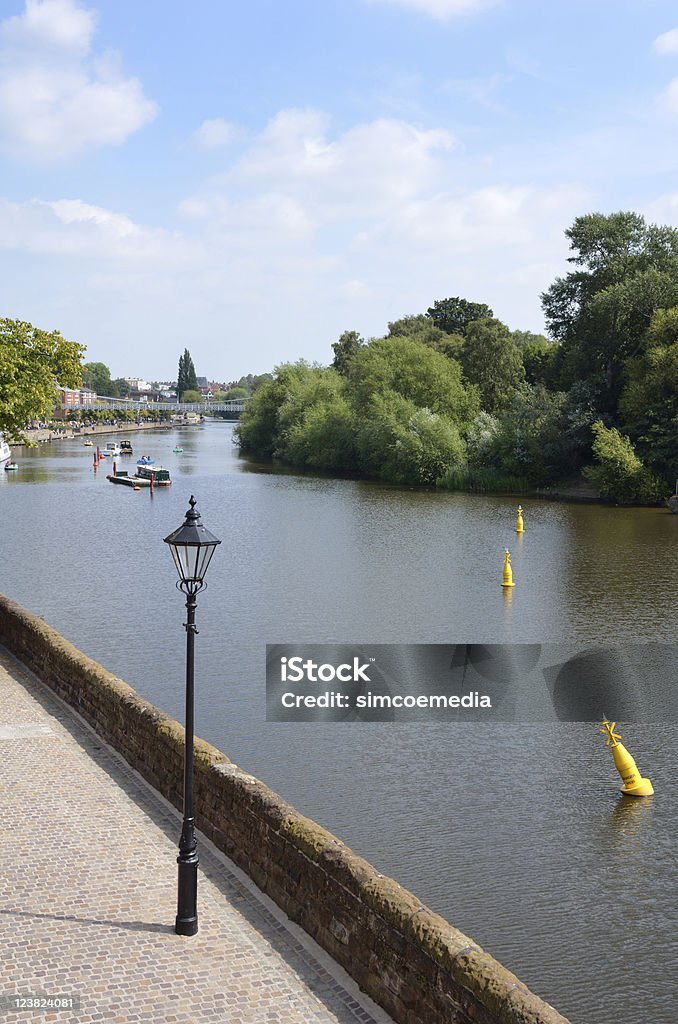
x: 519, y: 520
x: 508, y: 571
x: 634, y: 784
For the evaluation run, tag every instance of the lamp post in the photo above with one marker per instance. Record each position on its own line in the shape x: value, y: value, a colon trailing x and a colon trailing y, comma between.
x: 192, y: 547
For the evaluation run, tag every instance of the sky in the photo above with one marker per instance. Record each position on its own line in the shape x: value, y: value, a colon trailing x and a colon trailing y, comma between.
x: 249, y: 180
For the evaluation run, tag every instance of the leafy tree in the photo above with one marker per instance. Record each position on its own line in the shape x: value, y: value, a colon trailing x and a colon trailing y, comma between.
x: 416, y: 372
x: 599, y: 312
x: 345, y: 350
x: 619, y: 475
x: 122, y: 388
x: 187, y: 379
x: 233, y: 394
x: 492, y: 361
x: 97, y: 377
x: 252, y: 382
x: 539, y: 355
x: 191, y: 395
x: 454, y: 315
x: 32, y: 363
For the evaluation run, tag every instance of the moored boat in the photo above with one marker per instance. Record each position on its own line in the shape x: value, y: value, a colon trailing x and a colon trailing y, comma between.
x: 112, y: 449
x: 145, y: 476
x: 126, y: 448
x: 5, y: 451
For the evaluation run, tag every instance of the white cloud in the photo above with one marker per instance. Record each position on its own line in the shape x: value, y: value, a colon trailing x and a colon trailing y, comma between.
x: 72, y: 228
x: 441, y: 9
x: 215, y: 133
x: 56, y: 97
x: 667, y: 42
x: 669, y: 98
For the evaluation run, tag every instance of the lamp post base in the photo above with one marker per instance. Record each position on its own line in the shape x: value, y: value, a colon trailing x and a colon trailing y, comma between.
x: 186, y: 926
x: 186, y: 922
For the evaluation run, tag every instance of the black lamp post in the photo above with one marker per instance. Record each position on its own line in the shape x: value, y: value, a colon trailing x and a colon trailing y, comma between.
x: 192, y: 547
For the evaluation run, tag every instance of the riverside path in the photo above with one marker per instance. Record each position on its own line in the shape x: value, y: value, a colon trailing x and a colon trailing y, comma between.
x: 88, y: 894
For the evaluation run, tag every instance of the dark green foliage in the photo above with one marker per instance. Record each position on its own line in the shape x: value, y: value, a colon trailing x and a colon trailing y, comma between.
x: 187, y: 379
x: 345, y: 350
x: 492, y: 361
x: 97, y: 377
x: 454, y: 315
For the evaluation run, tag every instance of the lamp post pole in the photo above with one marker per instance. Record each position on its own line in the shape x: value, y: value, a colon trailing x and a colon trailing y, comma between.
x: 187, y: 903
x: 192, y: 547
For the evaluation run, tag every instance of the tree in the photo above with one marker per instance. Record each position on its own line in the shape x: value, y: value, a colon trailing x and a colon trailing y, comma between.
x: 454, y: 315
x: 599, y: 312
x: 122, y: 388
x: 539, y: 355
x: 186, y: 380
x: 345, y: 349
x: 192, y: 395
x: 97, y: 377
x: 619, y: 475
x: 416, y: 372
x: 32, y: 363
x: 492, y: 361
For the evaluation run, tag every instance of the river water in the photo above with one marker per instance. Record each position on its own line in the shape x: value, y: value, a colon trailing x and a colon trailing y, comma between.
x: 516, y: 833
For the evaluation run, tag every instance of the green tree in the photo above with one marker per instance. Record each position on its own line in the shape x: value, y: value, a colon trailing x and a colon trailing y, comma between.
x: 186, y: 380
x: 416, y: 372
x: 122, y: 388
x: 600, y: 311
x: 492, y: 361
x: 192, y: 395
x: 32, y: 363
x: 233, y: 394
x: 97, y: 377
x: 454, y: 315
x: 345, y: 350
x: 539, y: 355
x: 619, y: 474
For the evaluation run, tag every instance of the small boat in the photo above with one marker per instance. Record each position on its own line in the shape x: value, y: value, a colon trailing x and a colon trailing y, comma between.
x: 88, y: 444
x: 11, y: 466
x: 177, y: 450
x: 145, y: 460
x: 5, y: 451
x: 126, y: 448
x: 112, y: 449
x: 144, y: 477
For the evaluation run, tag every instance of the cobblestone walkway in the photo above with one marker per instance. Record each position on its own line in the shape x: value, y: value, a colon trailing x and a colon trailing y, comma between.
x: 88, y: 895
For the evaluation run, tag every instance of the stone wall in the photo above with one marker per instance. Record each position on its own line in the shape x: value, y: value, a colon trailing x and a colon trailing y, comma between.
x: 413, y: 963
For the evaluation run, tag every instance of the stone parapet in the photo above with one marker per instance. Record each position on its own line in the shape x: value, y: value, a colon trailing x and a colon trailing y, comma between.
x: 412, y: 962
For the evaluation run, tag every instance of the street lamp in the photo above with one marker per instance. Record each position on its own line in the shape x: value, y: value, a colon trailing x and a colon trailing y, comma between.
x: 192, y: 547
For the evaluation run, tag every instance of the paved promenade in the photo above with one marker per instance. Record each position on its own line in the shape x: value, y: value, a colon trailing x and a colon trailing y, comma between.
x: 88, y: 895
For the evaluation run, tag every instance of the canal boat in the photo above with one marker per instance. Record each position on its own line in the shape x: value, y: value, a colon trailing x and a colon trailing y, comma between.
x: 159, y: 475
x: 5, y: 451
x: 144, y: 477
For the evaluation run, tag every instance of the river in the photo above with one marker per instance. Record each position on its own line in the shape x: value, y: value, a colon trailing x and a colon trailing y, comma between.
x: 516, y: 833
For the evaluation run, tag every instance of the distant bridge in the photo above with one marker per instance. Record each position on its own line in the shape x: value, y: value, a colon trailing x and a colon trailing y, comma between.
x: 103, y: 403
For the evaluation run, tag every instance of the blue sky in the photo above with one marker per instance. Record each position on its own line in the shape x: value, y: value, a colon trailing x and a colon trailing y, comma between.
x: 250, y: 180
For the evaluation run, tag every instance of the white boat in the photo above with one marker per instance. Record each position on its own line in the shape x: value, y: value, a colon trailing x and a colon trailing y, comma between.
x: 112, y: 448
x: 5, y: 451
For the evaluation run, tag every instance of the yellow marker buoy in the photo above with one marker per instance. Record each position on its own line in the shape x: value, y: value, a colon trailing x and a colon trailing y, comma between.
x: 508, y: 571
x: 634, y: 784
x: 519, y: 520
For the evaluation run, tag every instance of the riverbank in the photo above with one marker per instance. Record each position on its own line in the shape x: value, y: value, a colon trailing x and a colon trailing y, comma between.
x: 76, y: 432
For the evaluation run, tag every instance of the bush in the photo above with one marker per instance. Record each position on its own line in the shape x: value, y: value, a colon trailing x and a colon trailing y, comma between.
x: 620, y: 475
